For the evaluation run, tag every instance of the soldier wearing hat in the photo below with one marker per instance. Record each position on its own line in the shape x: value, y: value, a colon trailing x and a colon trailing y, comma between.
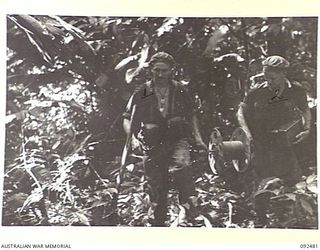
x: 163, y: 121
x: 267, y: 108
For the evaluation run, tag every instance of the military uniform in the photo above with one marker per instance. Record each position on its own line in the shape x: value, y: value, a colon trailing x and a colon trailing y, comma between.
x: 265, y: 112
x: 165, y: 144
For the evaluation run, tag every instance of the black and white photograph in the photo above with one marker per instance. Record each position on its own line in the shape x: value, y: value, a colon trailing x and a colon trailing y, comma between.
x: 144, y: 121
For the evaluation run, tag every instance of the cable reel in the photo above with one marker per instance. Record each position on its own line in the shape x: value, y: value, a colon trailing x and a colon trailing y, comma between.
x: 236, y: 151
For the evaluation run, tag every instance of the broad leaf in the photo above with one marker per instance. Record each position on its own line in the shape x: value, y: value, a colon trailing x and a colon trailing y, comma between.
x: 168, y: 25
x: 112, y: 190
x: 34, y: 197
x: 301, y: 185
x: 130, y: 167
x: 306, y: 205
x: 124, y: 199
x: 143, y: 56
x: 230, y: 55
x: 76, y: 32
x: 313, y: 187
x: 206, y: 222
x: 36, y: 111
x: 216, y: 37
x: 311, y: 178
x: 130, y: 74
x: 83, y: 218
x: 32, y: 27
x: 181, y: 217
x: 264, y: 28
x: 125, y: 61
x: 291, y: 196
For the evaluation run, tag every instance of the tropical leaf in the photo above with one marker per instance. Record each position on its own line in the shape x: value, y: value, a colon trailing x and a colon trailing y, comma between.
x: 61, y: 23
x: 82, y: 218
x: 35, y: 25
x: 68, y: 99
x: 133, y: 72
x: 270, y: 183
x: 215, y: 38
x: 75, y: 32
x: 130, y: 74
x: 32, y: 27
x: 124, y: 198
x: 206, y: 222
x: 125, y: 61
x: 130, y: 167
x: 45, y: 55
x: 311, y: 178
x: 301, y: 185
x: 264, y: 28
x: 34, y: 197
x: 313, y: 187
x: 180, y: 218
x: 112, y: 190
x: 236, y: 56
x: 42, y: 174
x: 35, y: 111
x: 168, y: 25
x: 291, y: 197
x: 144, y: 55
x: 306, y: 205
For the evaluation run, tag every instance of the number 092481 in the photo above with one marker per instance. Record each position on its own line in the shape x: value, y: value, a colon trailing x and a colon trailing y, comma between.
x: 308, y: 246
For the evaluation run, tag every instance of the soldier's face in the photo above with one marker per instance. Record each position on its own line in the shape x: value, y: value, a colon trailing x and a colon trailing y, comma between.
x: 161, y: 73
x: 274, y: 78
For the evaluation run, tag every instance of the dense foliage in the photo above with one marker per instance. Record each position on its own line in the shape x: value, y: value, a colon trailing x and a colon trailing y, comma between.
x: 68, y: 81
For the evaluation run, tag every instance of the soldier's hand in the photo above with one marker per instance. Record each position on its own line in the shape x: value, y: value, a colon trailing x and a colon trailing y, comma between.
x: 301, y: 136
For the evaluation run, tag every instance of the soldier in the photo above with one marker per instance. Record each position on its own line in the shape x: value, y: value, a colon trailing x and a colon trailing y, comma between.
x: 163, y: 121
x: 268, y: 107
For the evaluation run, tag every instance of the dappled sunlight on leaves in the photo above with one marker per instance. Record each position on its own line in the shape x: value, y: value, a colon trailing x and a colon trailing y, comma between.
x: 66, y: 92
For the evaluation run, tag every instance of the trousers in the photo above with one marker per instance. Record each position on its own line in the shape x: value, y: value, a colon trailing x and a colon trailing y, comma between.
x: 169, y: 161
x: 275, y: 158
